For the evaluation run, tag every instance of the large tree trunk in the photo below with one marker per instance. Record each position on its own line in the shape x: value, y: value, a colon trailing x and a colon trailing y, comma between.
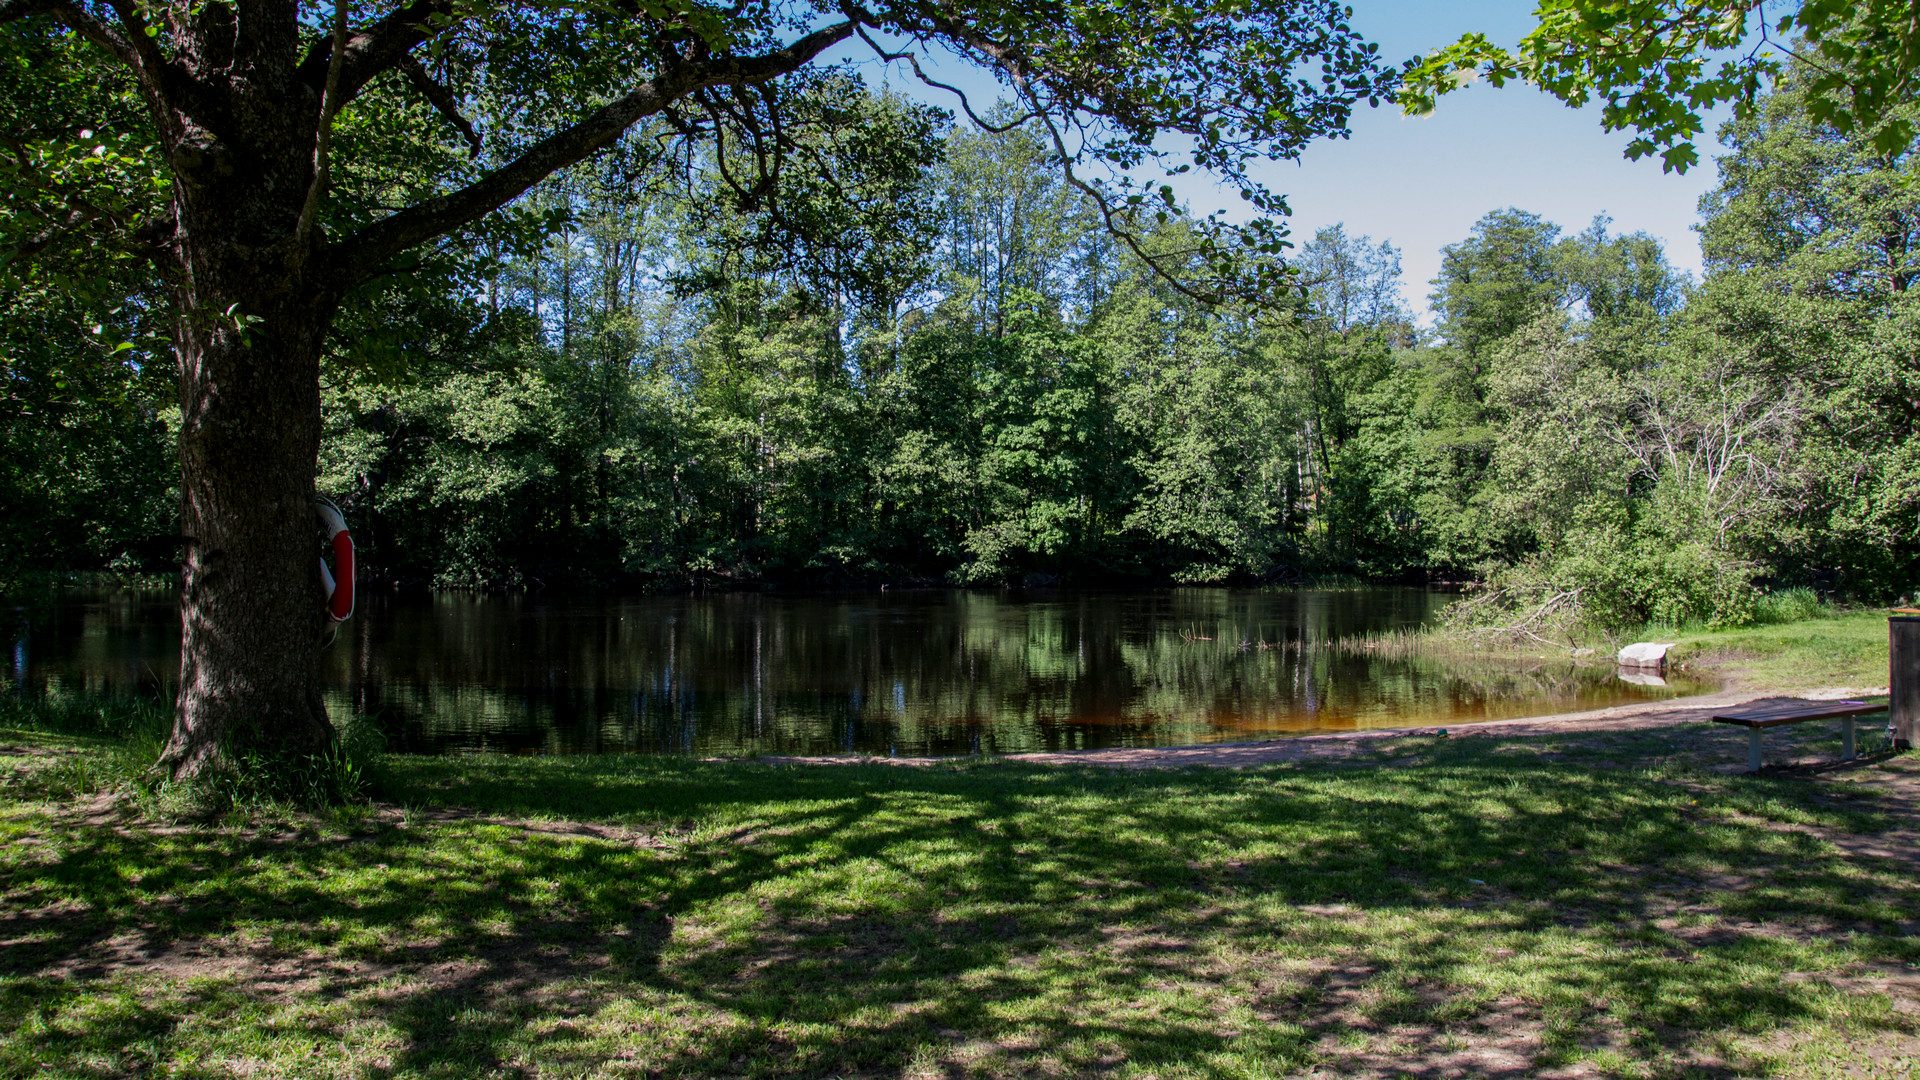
x: 253, y: 305
x: 251, y: 606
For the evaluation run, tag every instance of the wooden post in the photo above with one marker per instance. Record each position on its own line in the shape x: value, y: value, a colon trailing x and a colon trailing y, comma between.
x: 1903, y: 676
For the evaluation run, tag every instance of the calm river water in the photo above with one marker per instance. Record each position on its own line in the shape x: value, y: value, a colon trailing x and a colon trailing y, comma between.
x: 907, y: 672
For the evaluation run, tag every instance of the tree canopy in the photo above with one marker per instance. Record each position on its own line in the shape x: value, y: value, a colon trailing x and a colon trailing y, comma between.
x: 644, y: 397
x: 422, y: 118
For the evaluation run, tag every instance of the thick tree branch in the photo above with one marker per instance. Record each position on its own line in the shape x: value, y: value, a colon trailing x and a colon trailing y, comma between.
x: 160, y: 79
x: 82, y: 22
x: 442, y: 101
x: 323, y: 137
x: 365, y: 253
x: 377, y: 48
x: 152, y: 61
x: 385, y: 44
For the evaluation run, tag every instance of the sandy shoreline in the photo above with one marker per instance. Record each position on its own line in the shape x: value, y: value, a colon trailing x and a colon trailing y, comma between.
x: 1333, y: 746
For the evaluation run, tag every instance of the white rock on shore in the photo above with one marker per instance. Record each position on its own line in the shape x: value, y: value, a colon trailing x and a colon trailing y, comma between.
x: 1645, y: 655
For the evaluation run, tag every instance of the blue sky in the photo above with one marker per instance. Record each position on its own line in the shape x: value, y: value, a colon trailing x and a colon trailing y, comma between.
x: 1422, y: 183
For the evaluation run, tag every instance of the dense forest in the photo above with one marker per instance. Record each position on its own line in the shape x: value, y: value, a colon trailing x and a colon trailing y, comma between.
x: 921, y: 357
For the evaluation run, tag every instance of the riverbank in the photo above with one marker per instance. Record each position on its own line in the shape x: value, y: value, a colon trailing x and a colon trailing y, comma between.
x: 1836, y: 649
x: 1525, y: 903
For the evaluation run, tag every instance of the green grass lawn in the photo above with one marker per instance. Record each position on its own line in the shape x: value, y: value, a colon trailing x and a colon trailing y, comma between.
x: 1846, y: 649
x: 1611, y: 905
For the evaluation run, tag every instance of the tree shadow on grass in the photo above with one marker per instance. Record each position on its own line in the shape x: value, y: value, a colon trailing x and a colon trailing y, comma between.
x: 1471, y: 915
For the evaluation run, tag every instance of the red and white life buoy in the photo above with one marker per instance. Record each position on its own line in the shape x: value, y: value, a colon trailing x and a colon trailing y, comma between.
x: 338, y: 579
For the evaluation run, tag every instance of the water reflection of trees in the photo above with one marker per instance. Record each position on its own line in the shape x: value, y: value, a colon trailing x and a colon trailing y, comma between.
x: 908, y: 673
x: 933, y: 671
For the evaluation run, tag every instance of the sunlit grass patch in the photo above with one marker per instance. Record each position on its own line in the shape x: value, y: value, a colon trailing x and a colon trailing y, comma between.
x: 1471, y: 908
x: 1847, y: 649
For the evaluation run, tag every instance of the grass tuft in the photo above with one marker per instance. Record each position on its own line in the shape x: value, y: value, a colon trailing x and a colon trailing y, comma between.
x: 1847, y: 649
x: 1797, y: 604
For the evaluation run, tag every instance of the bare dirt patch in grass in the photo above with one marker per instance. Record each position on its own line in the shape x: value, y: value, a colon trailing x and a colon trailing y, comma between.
x: 403, y: 817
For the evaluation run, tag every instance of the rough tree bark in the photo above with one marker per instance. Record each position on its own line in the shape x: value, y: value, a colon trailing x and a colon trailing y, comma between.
x: 250, y: 600
x: 252, y: 308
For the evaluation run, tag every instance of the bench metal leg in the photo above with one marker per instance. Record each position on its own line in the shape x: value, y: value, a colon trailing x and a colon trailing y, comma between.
x: 1753, y: 749
x: 1848, y: 751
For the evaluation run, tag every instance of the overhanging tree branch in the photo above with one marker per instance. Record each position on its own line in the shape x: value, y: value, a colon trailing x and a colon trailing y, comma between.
x: 442, y: 101
x: 379, y: 47
x: 1011, y: 62
x: 159, y: 78
x: 82, y: 22
x: 890, y: 56
x: 365, y: 253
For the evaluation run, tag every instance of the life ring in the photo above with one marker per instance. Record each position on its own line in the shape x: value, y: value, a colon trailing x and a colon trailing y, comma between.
x: 338, y: 579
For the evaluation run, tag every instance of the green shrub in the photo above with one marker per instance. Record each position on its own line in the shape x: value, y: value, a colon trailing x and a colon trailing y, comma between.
x: 1612, y: 571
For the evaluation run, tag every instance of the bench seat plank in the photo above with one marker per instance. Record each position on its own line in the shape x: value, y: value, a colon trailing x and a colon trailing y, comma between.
x: 1794, y: 712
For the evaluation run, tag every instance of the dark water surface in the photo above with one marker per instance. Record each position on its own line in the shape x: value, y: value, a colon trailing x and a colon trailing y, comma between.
x: 901, y: 672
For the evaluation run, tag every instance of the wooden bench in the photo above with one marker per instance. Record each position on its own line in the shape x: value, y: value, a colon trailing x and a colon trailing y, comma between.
x: 1762, y: 715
